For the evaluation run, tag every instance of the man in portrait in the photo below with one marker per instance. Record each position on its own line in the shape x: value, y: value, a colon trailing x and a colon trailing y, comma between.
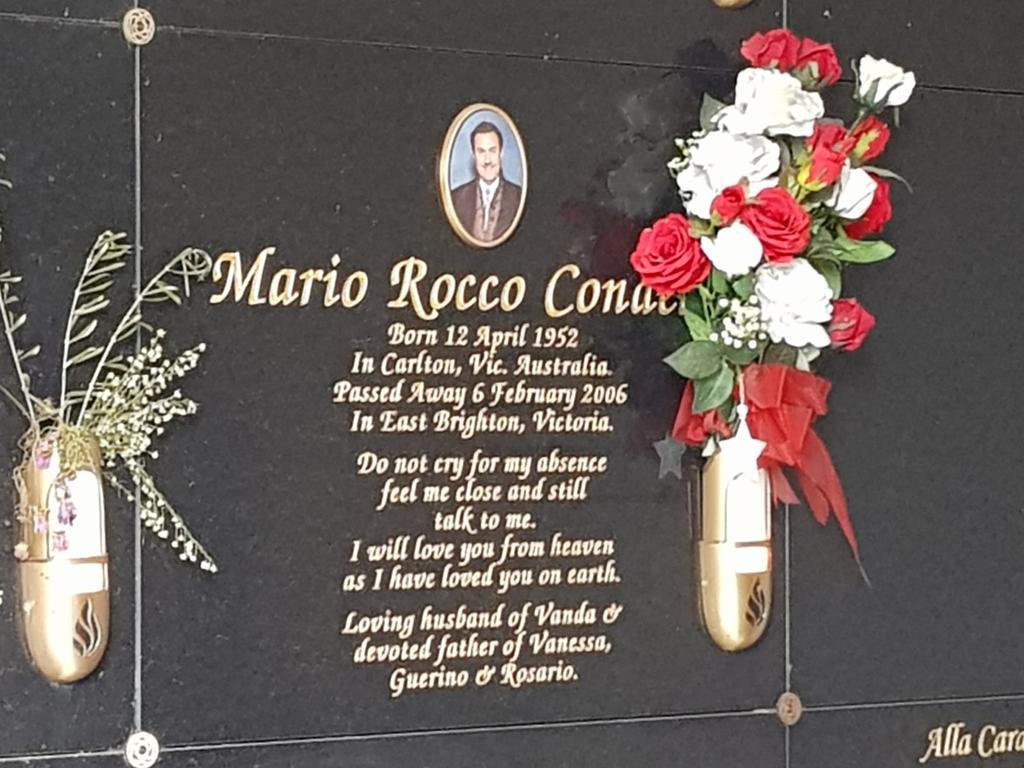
x: 487, y: 205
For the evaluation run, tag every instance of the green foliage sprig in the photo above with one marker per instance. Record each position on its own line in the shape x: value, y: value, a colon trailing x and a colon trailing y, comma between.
x: 128, y: 400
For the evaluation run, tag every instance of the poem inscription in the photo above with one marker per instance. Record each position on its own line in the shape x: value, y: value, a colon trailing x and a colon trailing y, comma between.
x: 530, y: 590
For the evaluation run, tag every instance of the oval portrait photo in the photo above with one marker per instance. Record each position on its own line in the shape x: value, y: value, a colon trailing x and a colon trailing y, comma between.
x: 482, y: 176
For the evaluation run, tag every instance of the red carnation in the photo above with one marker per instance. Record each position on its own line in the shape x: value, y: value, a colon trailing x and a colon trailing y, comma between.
x: 777, y: 49
x: 829, y: 147
x: 782, y: 226
x: 728, y: 204
x: 870, y: 136
x: 819, y: 60
x: 850, y: 324
x: 668, y: 258
x: 875, y: 217
x: 693, y: 428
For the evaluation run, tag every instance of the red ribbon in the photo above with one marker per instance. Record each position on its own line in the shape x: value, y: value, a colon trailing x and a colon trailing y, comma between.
x: 783, y: 404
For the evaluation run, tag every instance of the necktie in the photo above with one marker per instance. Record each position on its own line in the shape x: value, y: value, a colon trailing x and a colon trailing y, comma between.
x: 488, y: 194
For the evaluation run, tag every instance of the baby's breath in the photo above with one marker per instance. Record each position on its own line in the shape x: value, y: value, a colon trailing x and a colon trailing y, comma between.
x: 130, y: 409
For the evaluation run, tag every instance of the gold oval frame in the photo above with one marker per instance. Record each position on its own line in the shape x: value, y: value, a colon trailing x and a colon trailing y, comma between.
x: 443, y: 167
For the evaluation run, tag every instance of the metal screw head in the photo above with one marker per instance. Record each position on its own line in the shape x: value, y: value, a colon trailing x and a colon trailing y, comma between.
x: 138, y: 26
x: 789, y: 708
x: 142, y: 750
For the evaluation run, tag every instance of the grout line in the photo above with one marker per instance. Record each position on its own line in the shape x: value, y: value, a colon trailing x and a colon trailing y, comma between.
x: 914, y: 703
x: 471, y: 730
x: 789, y: 619
x: 463, y: 731
x: 789, y: 627
x: 137, y: 120
x: 33, y: 18
x: 420, y: 48
x: 25, y: 759
x: 544, y: 57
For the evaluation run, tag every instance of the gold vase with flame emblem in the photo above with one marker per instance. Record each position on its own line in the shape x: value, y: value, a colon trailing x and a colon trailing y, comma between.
x: 63, y: 573
x: 734, y: 551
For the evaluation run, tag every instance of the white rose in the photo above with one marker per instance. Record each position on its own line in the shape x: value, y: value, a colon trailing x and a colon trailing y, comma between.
x: 795, y: 301
x: 852, y: 193
x: 719, y: 160
x: 735, y: 250
x: 772, y: 102
x: 884, y: 84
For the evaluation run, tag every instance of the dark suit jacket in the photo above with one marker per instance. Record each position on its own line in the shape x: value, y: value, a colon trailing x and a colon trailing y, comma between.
x: 464, y: 198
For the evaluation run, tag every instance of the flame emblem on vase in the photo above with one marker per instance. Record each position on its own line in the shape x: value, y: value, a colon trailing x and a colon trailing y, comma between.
x: 88, y: 636
x: 757, y: 604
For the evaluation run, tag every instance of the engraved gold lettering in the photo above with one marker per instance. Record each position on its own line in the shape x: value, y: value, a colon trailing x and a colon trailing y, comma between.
x: 282, y: 288
x: 234, y: 281
x: 309, y: 277
x: 486, y: 302
x: 406, y: 276
x: 549, y: 291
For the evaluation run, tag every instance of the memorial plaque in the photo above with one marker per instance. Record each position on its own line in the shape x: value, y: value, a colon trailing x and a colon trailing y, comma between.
x: 424, y: 454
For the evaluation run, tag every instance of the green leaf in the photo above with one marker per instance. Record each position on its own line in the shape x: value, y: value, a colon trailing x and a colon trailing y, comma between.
x: 95, y: 304
x: 719, y: 282
x: 885, y: 173
x: 781, y: 354
x: 862, y: 251
x: 727, y: 410
x: 709, y: 107
x: 696, y: 325
x: 106, y: 269
x: 696, y: 360
x: 83, y: 332
x: 712, y: 391
x: 86, y: 354
x: 832, y: 273
x: 98, y: 286
x: 693, y: 303
x: 743, y: 355
x: 744, y: 287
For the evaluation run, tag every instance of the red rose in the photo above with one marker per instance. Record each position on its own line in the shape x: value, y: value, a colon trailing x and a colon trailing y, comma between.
x: 782, y: 226
x: 850, y: 324
x: 777, y: 48
x: 829, y: 147
x: 693, y: 428
x: 668, y: 258
x: 728, y: 204
x: 870, y: 136
x: 819, y: 60
x: 875, y: 217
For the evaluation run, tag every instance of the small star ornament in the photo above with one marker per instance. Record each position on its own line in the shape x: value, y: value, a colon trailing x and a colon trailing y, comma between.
x: 741, y: 452
x: 670, y: 452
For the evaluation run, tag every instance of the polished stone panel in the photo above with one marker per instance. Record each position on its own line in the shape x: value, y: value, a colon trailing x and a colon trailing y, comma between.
x: 264, y: 471
x: 947, y: 42
x: 906, y: 735
x: 67, y: 135
x: 922, y: 432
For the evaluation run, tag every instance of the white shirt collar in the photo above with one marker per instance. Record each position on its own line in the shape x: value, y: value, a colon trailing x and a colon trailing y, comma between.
x: 489, y: 188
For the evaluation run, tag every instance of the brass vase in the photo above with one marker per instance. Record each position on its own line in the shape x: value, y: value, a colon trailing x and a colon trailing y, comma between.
x: 734, y: 549
x: 63, y: 574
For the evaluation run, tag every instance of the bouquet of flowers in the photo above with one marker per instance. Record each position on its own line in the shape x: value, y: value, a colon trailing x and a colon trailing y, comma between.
x: 778, y: 199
